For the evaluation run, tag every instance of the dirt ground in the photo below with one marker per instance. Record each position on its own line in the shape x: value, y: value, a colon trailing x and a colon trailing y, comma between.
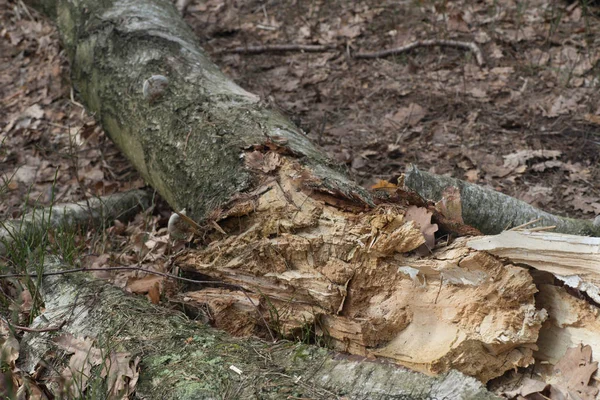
x: 433, y: 107
x: 526, y: 122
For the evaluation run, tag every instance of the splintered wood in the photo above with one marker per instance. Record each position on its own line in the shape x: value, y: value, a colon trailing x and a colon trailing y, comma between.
x: 571, y: 258
x: 352, y: 278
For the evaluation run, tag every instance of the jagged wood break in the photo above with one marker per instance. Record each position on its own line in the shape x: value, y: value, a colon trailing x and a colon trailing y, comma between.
x: 353, y: 277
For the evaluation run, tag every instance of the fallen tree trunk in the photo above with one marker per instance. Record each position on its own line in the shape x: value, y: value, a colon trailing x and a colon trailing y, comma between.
x: 184, y: 125
x: 183, y: 360
x: 279, y: 218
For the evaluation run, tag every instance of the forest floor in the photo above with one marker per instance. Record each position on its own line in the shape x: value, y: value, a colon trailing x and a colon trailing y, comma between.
x: 526, y: 122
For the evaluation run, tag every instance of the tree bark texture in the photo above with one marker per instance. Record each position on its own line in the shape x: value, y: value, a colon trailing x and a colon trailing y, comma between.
x: 492, y: 212
x: 183, y: 124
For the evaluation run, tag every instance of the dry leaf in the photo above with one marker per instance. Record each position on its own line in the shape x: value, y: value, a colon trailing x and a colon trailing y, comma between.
x: 84, y: 357
x: 34, y: 111
x: 154, y: 293
x: 573, y: 373
x: 384, y: 185
x: 350, y: 31
x: 561, y: 105
x: 472, y: 175
x: 9, y: 350
x: 265, y: 163
x: 586, y: 204
x: 592, y: 118
x: 528, y: 387
x: 144, y: 285
x: 422, y: 218
x: 411, y: 115
x: 520, y: 158
x: 122, y: 374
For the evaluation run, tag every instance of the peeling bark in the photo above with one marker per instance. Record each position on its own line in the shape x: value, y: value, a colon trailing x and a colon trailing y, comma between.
x: 572, y: 259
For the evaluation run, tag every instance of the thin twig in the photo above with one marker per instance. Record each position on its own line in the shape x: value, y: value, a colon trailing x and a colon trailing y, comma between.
x: 278, y: 48
x: 542, y: 228
x: 166, y: 275
x: 426, y: 43
x: 439, y: 290
x: 516, y: 228
x: 78, y: 104
x: 36, y: 330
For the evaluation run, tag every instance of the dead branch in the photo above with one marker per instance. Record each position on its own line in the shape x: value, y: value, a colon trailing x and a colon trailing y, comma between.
x: 492, y: 212
x: 307, y: 48
x: 426, y: 43
x: 36, y: 330
x: 278, y: 48
x: 86, y: 213
x: 132, y: 268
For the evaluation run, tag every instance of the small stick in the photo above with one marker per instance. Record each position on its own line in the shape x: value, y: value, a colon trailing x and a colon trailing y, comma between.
x: 34, y: 330
x: 426, y: 43
x: 308, y: 48
x: 277, y: 48
x: 542, y: 228
x: 27, y: 329
x: 516, y: 228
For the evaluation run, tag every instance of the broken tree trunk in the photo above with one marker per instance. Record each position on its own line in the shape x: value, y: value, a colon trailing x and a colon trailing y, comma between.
x: 278, y: 217
x: 181, y: 359
x: 184, y: 125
